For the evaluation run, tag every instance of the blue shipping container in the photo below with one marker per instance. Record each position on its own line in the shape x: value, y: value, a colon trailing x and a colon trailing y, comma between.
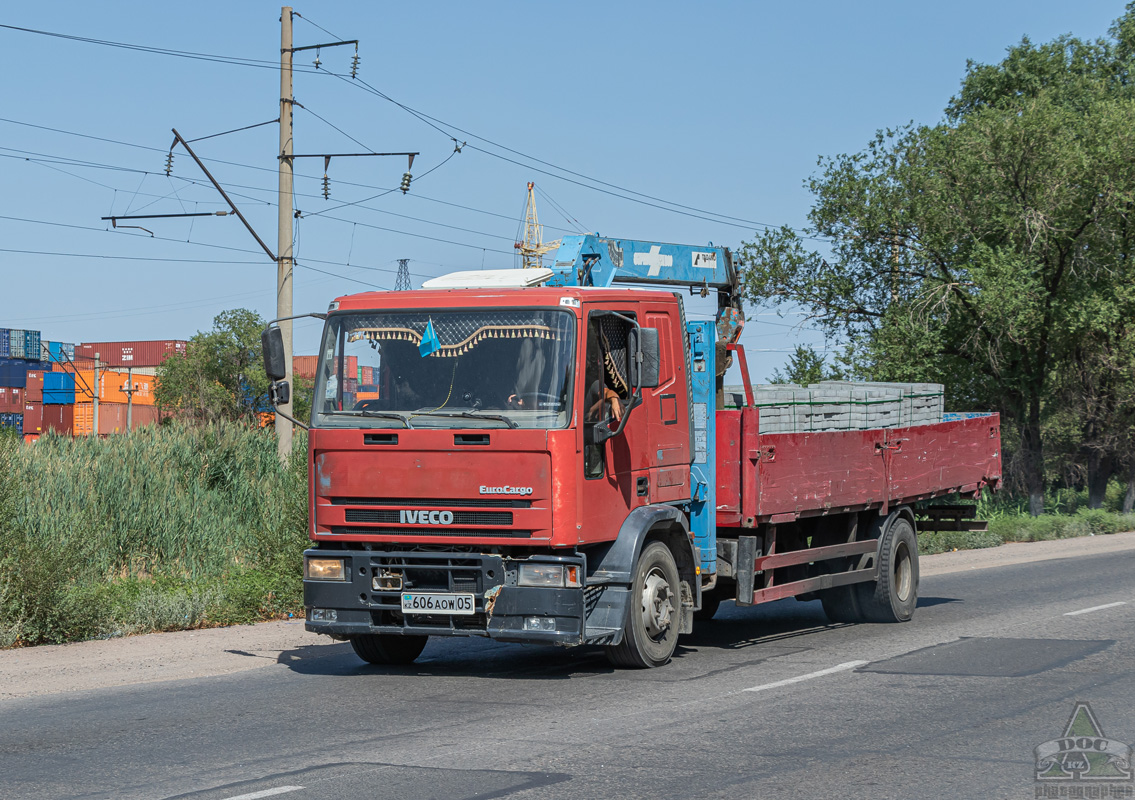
x: 12, y: 421
x: 58, y: 388
x: 5, y: 347
x: 14, y: 371
x: 31, y: 344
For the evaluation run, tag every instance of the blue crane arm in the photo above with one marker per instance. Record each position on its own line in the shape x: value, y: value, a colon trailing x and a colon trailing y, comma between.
x: 592, y: 260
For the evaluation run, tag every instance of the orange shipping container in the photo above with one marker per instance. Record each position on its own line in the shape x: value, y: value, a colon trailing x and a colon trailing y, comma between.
x: 111, y: 385
x: 112, y: 418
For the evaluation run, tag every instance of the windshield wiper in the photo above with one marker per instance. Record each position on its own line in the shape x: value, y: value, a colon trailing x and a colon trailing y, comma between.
x: 470, y: 414
x: 366, y: 412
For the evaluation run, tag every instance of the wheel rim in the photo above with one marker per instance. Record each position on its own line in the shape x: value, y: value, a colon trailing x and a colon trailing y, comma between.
x: 902, y: 576
x: 657, y: 604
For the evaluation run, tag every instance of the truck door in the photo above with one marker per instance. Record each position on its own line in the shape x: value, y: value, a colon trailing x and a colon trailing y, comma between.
x: 649, y: 461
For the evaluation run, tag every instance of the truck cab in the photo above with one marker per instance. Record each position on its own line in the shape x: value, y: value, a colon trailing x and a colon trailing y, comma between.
x: 485, y: 471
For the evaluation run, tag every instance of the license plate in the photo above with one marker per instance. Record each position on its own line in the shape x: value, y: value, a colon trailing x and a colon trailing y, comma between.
x: 432, y: 603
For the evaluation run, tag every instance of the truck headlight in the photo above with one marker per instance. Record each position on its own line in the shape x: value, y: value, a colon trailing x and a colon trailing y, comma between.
x: 324, y: 569
x: 554, y: 575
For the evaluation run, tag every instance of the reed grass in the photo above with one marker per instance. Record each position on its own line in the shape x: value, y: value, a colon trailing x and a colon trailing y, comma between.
x: 172, y: 527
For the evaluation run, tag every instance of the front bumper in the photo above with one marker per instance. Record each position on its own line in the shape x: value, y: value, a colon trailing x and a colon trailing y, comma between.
x: 501, y: 607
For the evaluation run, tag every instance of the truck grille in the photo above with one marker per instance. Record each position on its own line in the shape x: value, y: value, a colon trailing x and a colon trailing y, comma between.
x: 433, y: 502
x: 346, y: 530
x: 459, y: 517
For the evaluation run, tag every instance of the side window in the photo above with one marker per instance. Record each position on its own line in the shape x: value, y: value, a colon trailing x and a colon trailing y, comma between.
x: 606, y: 384
x: 665, y: 346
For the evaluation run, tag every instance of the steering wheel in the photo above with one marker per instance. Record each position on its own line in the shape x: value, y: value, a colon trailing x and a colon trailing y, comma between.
x: 532, y: 400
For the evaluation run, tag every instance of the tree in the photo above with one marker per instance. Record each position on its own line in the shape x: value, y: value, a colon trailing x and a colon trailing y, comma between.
x: 990, y: 252
x: 806, y: 366
x: 221, y: 375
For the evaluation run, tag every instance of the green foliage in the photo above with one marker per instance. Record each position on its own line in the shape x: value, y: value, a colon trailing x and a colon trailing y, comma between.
x: 172, y: 527
x: 991, y: 252
x: 221, y: 376
x: 806, y: 366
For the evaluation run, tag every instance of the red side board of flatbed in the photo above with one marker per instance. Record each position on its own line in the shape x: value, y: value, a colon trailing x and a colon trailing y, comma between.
x: 780, y: 477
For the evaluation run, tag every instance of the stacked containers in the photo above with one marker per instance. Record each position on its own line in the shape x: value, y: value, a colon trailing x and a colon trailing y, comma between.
x: 112, y: 418
x: 57, y: 352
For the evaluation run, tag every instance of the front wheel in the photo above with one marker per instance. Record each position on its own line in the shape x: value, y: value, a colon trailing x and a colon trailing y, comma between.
x: 385, y: 648
x: 650, y: 634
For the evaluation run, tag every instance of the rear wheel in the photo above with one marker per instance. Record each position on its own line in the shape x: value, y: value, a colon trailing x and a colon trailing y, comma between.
x: 893, y: 597
x: 385, y: 648
x: 650, y: 633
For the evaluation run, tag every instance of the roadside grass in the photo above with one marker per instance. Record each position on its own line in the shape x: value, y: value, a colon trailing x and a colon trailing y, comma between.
x: 1012, y: 525
x: 170, y: 528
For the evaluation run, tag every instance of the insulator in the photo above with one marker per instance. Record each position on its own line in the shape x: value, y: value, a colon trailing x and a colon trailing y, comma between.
x: 355, y: 65
x: 317, y: 62
x: 326, y: 188
x: 405, y: 186
x: 169, y: 164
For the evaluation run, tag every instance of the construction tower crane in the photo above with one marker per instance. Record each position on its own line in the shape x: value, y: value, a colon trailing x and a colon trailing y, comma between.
x: 532, y: 249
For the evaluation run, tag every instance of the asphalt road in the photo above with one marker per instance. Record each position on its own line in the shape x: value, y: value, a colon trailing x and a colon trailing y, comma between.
x: 766, y: 702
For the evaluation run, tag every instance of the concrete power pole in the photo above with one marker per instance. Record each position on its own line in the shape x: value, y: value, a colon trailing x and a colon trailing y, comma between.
x: 284, y: 242
x: 95, y: 402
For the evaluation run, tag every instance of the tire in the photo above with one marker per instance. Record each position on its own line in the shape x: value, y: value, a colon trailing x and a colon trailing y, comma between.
x: 386, y: 648
x: 710, y: 602
x: 650, y: 633
x: 893, y: 597
x: 841, y: 604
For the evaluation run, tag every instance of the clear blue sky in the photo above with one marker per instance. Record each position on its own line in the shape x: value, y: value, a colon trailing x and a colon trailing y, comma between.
x: 720, y: 106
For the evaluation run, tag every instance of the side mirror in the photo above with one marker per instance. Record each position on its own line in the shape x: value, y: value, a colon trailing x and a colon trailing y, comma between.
x: 272, y: 343
x: 279, y: 393
x: 644, y: 357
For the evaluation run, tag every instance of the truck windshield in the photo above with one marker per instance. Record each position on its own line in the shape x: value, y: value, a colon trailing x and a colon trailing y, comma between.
x: 477, y: 368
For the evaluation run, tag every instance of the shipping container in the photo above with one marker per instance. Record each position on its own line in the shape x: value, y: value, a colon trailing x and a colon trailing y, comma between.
x: 33, y: 417
x: 60, y: 419
x: 111, y: 387
x: 5, y: 345
x: 33, y: 392
x: 11, y: 400
x: 32, y: 344
x: 304, y: 366
x: 112, y: 418
x: 10, y: 420
x: 58, y: 388
x: 14, y: 371
x: 131, y: 354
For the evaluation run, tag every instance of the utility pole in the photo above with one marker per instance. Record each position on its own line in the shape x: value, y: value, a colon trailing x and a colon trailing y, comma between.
x: 95, y: 402
x: 128, y: 390
x: 284, y: 241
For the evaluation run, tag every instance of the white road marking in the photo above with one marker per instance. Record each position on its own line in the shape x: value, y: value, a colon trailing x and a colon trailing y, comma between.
x: 266, y: 793
x: 1095, y: 608
x: 809, y: 676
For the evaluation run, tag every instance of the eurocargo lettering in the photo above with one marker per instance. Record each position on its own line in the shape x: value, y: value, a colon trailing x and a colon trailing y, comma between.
x: 568, y: 467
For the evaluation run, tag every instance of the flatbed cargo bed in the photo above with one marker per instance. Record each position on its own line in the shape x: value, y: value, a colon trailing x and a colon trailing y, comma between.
x: 780, y: 477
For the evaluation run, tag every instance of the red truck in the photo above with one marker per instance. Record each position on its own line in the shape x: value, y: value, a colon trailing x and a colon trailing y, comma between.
x: 548, y: 456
